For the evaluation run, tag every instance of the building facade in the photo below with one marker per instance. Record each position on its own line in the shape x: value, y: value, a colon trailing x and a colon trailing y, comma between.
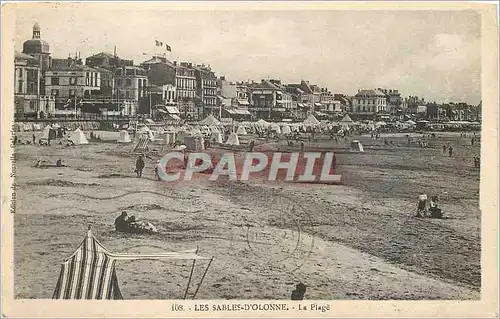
x: 28, y: 100
x: 369, y: 104
x: 131, y: 83
x: 394, y: 100
x: 71, y: 82
x: 206, y: 87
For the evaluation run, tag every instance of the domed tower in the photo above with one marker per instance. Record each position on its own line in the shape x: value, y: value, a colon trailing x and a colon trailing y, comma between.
x: 38, y: 48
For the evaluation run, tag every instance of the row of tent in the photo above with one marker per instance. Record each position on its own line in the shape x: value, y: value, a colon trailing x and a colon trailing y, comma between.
x: 29, y: 127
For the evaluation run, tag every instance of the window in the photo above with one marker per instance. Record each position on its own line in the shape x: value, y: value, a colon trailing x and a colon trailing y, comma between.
x: 54, y: 81
x: 71, y: 92
x: 119, y: 82
x: 55, y: 92
x: 129, y: 82
x: 20, y: 86
x: 72, y: 81
x: 32, y: 105
x: 32, y: 88
x: 20, y: 73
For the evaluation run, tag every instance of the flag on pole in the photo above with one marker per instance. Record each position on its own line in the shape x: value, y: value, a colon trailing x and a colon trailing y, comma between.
x: 158, y: 43
x: 168, y: 47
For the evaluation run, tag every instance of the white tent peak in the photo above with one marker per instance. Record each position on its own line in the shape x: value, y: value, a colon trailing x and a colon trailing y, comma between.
x: 210, y: 121
x: 346, y: 118
x: 233, y: 139
x: 77, y: 137
x: 311, y: 120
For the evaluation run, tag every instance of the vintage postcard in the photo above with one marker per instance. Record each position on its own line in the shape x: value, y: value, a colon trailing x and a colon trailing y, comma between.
x: 246, y: 159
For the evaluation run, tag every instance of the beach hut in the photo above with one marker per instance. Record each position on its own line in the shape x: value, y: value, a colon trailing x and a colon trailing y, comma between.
x: 356, y: 146
x: 194, y: 143
x: 241, y: 131
x: 233, y: 139
x: 77, y: 137
x: 124, y: 137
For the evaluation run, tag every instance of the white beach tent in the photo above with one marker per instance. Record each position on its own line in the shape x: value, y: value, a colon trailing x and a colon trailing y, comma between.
x: 311, y: 120
x: 216, y: 137
x: 210, y: 121
x: 195, y: 131
x: 46, y: 132
x: 241, y: 130
x: 286, y: 129
x: 262, y: 123
x: 124, y: 137
x: 275, y: 127
x: 356, y: 146
x: 233, y: 139
x: 77, y: 137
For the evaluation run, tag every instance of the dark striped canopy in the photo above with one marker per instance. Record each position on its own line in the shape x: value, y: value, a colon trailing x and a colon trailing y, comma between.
x: 89, y: 273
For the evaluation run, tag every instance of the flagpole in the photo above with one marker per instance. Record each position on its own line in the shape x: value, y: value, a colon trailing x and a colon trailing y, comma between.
x: 75, y: 103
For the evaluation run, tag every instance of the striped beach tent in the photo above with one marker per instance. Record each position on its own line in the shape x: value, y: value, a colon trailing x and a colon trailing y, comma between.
x: 89, y: 273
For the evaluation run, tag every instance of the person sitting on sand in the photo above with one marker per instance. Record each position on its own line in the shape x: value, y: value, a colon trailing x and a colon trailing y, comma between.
x: 121, y: 223
x: 299, y: 292
x: 433, y: 207
x: 59, y: 163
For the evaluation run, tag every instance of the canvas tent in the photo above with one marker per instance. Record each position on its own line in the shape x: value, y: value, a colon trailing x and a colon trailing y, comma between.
x: 263, y: 123
x: 89, y: 273
x: 311, y: 120
x: 233, y: 139
x: 356, y: 146
x: 210, y: 121
x: 217, y: 137
x: 241, y: 131
x: 77, y: 137
x: 124, y: 137
x: 46, y: 132
x: 286, y: 129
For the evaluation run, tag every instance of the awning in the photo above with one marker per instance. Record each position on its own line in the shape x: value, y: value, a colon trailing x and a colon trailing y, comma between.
x: 318, y: 104
x: 242, y: 112
x: 172, y: 110
x: 175, y: 117
x: 243, y: 102
x: 162, y: 111
x: 230, y: 111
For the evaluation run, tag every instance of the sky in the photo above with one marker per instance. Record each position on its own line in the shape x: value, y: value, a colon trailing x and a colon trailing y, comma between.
x: 433, y: 54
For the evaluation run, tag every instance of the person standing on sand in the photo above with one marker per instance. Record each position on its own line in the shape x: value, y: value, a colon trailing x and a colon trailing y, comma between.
x: 139, y: 166
x: 444, y: 149
x: 34, y: 138
x: 157, y: 168
x: 450, y: 151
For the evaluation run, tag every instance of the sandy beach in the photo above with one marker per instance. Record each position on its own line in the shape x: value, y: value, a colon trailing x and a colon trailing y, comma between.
x: 359, y: 240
